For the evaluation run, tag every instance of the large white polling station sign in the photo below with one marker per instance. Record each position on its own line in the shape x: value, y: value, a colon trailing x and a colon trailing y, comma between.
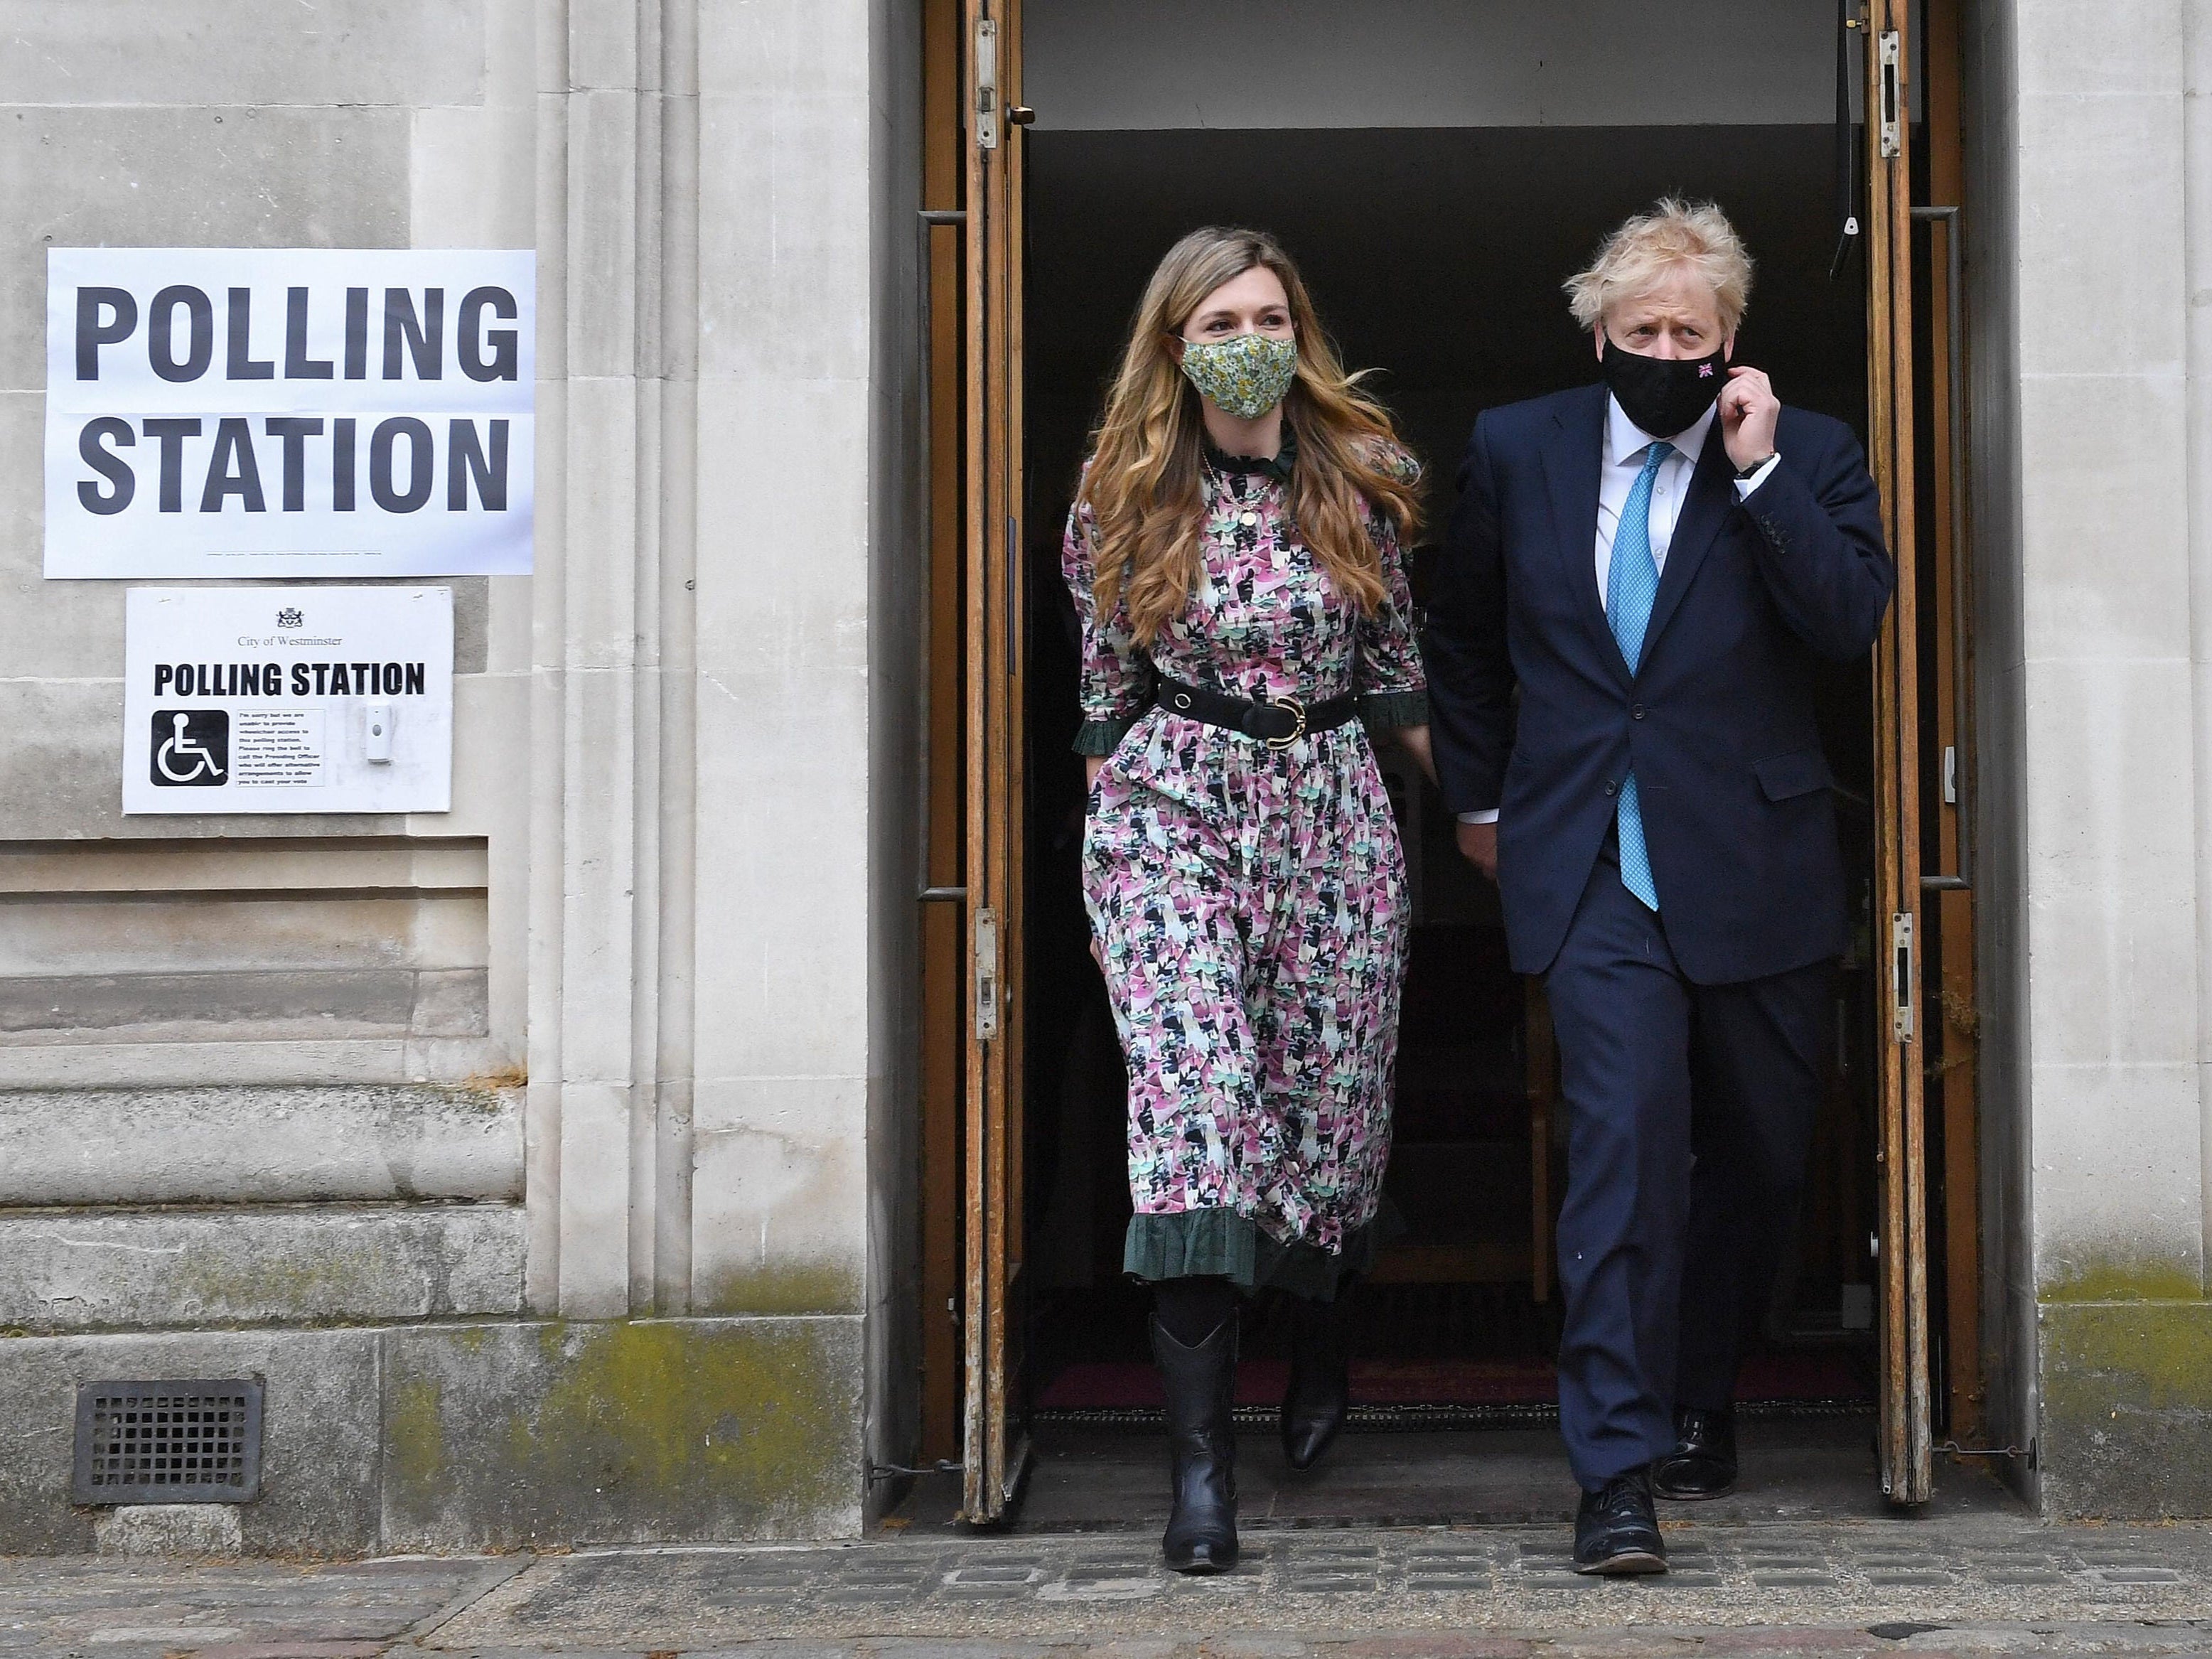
x: 287, y: 700
x: 249, y: 412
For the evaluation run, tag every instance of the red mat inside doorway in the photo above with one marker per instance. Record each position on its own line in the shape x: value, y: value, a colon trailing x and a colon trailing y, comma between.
x: 1788, y: 1376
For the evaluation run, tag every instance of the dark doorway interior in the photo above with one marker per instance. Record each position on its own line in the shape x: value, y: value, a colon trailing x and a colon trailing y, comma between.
x: 1436, y: 256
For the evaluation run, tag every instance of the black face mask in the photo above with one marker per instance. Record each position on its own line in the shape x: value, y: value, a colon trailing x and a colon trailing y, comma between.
x: 1663, y: 396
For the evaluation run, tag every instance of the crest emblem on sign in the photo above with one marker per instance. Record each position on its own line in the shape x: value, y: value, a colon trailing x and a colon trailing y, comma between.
x: 289, y: 617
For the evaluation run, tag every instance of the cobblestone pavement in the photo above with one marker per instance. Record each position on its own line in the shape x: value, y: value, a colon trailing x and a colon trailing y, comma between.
x: 1995, y: 1585
x: 104, y: 1609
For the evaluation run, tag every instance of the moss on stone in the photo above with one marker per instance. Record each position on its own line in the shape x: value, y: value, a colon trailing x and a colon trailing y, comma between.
x: 626, y: 1430
x: 634, y: 1400
x: 414, y: 1432
x: 2126, y: 1400
x: 297, y: 1286
x: 2152, y: 1356
x: 2111, y: 1280
x: 796, y: 1287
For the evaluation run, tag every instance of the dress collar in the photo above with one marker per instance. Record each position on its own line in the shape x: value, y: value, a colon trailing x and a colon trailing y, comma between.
x: 1277, y: 466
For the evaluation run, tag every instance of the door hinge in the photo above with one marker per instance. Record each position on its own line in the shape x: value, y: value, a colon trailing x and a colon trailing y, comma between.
x: 1893, y: 70
x: 987, y: 974
x: 1900, y: 976
x: 986, y: 83
x: 1955, y: 1449
x: 895, y: 1471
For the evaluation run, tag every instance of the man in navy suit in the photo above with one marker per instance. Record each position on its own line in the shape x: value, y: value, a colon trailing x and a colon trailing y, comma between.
x: 1658, y: 564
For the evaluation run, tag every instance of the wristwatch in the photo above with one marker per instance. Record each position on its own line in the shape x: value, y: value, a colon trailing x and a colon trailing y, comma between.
x: 1743, y: 473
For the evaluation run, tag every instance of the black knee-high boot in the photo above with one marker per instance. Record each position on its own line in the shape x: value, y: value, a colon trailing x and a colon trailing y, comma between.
x: 1200, y: 1383
x: 1320, y: 1391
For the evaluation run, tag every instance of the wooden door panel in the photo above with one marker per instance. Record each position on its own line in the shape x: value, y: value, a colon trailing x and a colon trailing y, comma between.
x: 990, y: 1062
x: 1953, y: 1020
x: 1904, y: 1423
x: 992, y: 1452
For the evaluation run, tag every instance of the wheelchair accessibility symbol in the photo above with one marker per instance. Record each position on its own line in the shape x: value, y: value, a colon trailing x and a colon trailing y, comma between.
x: 191, y: 748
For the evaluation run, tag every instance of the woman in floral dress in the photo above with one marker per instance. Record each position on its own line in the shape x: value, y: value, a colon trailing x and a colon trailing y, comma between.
x: 1235, y: 555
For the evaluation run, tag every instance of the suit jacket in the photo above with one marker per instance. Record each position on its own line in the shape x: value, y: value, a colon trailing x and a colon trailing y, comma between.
x: 1717, y: 721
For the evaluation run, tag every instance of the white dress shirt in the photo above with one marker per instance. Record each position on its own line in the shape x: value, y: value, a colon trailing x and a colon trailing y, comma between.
x: 1621, y: 458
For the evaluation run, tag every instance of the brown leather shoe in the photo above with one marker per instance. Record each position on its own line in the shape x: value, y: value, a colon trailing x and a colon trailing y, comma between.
x: 1702, y: 1463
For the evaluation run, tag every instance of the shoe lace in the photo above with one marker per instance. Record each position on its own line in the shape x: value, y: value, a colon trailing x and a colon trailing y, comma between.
x: 1622, y: 1496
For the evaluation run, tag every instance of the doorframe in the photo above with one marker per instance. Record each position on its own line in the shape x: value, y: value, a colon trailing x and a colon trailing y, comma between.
x: 953, y: 1134
x: 1953, y: 1075
x: 944, y: 896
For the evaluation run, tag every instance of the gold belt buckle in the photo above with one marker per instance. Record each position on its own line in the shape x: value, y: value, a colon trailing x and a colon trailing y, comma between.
x: 1297, y: 709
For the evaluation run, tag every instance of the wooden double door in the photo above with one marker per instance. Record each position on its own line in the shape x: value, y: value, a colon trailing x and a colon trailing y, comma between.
x: 973, y: 1182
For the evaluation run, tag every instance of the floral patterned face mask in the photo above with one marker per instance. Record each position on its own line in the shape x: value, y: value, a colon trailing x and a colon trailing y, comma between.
x: 1246, y: 376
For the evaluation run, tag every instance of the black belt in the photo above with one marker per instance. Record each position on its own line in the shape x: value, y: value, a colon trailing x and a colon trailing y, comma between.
x: 1278, y: 722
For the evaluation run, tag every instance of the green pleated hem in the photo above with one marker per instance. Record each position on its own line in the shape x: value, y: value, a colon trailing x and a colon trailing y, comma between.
x: 1222, y: 1243
x: 1382, y: 710
x: 1101, y: 737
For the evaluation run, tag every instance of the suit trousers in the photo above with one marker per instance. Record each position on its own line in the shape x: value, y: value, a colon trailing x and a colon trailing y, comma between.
x: 1689, y: 1113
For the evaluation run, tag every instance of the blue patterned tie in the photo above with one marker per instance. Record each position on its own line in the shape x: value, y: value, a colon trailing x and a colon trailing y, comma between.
x: 1631, y: 585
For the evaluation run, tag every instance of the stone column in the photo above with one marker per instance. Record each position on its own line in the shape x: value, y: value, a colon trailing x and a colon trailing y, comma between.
x: 712, y: 273
x: 789, y: 474
x: 595, y: 1036
x: 2104, y: 789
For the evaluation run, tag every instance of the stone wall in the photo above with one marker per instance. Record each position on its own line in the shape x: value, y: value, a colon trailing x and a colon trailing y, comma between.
x: 2096, y: 628
x: 551, y: 1157
x: 523, y: 1149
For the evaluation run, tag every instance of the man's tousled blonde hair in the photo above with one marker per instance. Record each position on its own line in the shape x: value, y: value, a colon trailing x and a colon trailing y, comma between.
x: 1649, y: 247
x: 1142, y: 488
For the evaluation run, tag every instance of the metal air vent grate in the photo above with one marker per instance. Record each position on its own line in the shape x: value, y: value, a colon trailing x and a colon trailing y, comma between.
x: 180, y: 1441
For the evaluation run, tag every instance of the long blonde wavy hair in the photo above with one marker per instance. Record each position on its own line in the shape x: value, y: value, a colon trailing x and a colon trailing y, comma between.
x: 1142, y: 487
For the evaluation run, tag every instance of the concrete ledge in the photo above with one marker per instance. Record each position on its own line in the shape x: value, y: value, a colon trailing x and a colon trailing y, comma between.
x: 2126, y: 1428
x: 190, y: 1531
x: 221, y: 1063
x: 679, y: 1431
x: 261, y: 1005
x: 258, y: 1146
x: 85, y: 1272
x: 455, y: 1438
x: 319, y: 1443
